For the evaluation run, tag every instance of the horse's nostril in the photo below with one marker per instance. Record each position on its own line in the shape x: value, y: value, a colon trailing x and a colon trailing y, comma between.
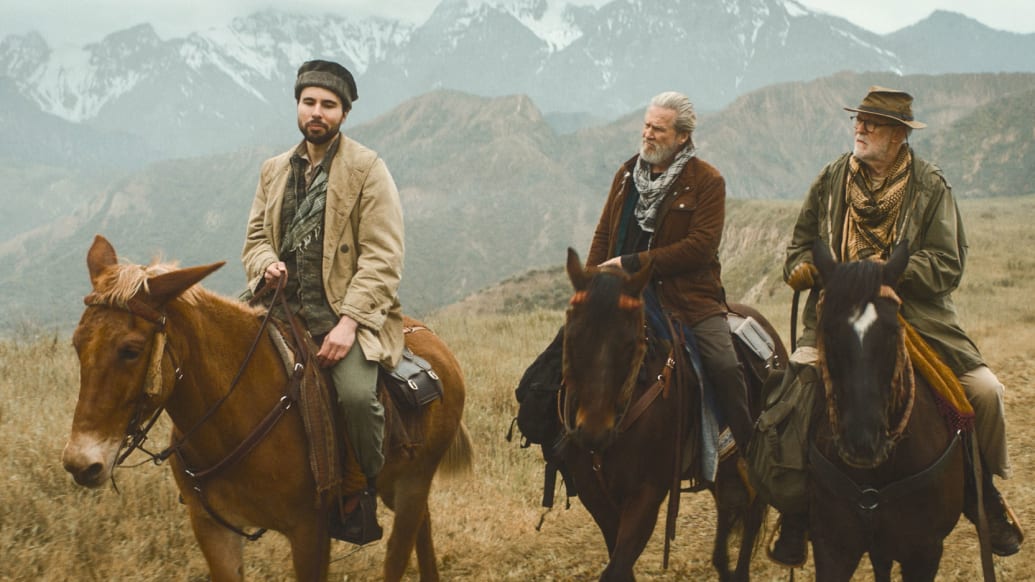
x: 90, y: 475
x: 93, y: 471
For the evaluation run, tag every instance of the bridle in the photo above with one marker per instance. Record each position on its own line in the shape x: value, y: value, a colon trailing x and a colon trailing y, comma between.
x: 565, y: 407
x: 137, y: 429
x: 631, y: 410
x: 903, y: 381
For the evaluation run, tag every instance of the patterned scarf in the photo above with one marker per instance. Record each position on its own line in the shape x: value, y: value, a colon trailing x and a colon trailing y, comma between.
x: 873, y: 209
x: 311, y: 198
x: 652, y: 192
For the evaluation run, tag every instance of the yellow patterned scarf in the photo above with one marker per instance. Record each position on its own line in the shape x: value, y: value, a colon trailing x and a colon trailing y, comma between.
x: 873, y: 208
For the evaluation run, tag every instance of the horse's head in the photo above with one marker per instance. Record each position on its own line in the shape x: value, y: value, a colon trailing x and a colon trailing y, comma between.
x: 604, y: 344
x: 120, y: 342
x: 861, y: 353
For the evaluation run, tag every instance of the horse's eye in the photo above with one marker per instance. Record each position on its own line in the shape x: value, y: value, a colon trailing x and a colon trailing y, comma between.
x: 128, y: 353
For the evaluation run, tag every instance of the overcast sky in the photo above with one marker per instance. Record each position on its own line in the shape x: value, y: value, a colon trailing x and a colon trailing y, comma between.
x: 76, y: 22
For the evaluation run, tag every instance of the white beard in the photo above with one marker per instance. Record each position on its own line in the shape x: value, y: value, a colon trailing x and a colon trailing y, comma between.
x: 659, y: 155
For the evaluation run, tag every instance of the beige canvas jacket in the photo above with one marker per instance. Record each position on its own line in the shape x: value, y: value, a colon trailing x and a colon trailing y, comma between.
x: 362, y: 246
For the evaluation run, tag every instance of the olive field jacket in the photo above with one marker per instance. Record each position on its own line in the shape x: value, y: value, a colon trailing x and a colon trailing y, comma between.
x: 930, y: 221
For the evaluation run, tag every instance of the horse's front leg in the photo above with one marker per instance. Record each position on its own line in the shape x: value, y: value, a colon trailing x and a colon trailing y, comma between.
x: 311, y: 548
x: 834, y: 563
x: 596, y: 498
x: 922, y: 566
x: 637, y: 517
x: 222, y: 548
x: 881, y: 568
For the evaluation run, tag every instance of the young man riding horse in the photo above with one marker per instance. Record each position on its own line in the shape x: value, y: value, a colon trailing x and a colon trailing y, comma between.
x: 862, y: 205
x: 326, y: 217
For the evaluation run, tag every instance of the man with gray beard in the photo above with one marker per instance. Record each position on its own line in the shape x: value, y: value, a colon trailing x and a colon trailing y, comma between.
x: 668, y: 206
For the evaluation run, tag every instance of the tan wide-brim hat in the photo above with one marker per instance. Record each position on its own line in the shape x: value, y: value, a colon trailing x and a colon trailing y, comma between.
x: 890, y: 103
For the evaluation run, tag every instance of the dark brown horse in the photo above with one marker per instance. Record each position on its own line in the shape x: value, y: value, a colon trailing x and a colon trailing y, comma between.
x: 887, y: 471
x: 150, y: 339
x: 625, y: 423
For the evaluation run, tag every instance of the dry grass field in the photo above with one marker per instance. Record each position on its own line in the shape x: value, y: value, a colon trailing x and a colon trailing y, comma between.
x: 52, y: 530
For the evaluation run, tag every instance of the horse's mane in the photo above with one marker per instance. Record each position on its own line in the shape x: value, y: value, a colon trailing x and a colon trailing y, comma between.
x: 120, y: 283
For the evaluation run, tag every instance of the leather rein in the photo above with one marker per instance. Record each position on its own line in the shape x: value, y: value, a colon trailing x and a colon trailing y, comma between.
x: 137, y: 430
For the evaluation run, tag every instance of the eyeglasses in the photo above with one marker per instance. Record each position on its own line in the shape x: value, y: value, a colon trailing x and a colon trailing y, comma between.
x: 868, y: 124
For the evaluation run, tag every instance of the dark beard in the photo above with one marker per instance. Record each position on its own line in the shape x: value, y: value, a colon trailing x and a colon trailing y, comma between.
x: 318, y: 139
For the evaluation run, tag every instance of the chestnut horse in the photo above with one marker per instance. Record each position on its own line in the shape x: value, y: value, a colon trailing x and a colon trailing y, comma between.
x: 887, y: 469
x: 625, y: 424
x: 150, y: 340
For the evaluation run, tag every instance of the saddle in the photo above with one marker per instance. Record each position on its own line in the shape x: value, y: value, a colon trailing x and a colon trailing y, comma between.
x: 713, y: 443
x: 946, y: 387
x: 402, y: 391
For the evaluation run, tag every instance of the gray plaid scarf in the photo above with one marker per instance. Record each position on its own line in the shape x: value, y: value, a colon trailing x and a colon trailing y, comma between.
x: 308, y: 217
x: 311, y: 199
x: 652, y: 192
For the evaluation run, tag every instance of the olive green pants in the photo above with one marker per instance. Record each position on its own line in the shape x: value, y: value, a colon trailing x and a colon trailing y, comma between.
x: 355, y: 382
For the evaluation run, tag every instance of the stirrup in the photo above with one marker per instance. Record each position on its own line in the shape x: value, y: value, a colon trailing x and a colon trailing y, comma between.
x: 1009, y: 520
x: 1012, y: 517
x: 360, y: 525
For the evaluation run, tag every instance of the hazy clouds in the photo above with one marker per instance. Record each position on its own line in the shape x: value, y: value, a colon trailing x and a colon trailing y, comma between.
x: 77, y: 22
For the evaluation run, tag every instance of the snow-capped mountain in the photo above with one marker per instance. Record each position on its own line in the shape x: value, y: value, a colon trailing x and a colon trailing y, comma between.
x: 226, y: 87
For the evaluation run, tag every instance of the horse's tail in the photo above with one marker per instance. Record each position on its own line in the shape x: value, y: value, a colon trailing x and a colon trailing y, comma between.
x: 459, y: 458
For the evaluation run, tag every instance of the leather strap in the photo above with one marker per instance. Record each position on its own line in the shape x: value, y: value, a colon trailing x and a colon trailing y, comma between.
x: 660, y: 386
x: 869, y: 499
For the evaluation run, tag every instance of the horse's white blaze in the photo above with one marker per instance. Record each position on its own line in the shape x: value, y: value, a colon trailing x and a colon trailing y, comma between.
x: 863, y: 321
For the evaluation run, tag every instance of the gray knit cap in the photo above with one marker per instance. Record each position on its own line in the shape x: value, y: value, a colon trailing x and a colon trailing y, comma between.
x: 330, y: 76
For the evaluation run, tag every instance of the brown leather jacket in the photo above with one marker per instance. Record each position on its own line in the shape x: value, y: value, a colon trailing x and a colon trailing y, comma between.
x: 685, y: 245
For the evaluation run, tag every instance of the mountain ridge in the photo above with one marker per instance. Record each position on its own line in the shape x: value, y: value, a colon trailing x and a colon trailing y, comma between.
x: 489, y: 189
x: 215, y: 90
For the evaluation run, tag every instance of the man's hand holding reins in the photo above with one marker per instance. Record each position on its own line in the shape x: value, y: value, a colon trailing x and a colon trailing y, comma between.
x: 274, y: 272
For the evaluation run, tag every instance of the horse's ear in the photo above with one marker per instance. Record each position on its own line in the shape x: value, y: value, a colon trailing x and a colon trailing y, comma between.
x: 823, y: 260
x: 100, y: 256
x: 168, y: 286
x: 576, y: 274
x: 639, y: 280
x: 896, y: 264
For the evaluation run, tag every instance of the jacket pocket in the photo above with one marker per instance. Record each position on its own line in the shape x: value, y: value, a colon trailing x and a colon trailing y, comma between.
x: 677, y: 220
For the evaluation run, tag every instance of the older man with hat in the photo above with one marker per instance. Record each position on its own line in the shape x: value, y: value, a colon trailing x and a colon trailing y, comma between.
x: 861, y: 205
x: 326, y: 217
